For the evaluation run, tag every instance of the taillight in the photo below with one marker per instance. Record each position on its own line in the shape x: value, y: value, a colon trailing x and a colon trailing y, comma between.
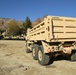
x: 48, y: 28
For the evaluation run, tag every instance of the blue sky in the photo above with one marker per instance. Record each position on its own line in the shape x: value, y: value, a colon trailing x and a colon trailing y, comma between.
x: 20, y: 9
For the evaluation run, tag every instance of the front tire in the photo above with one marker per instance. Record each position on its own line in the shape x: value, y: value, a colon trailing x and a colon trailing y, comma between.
x: 28, y: 51
x: 26, y: 48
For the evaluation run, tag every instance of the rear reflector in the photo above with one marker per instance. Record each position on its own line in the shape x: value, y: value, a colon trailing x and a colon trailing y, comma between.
x: 52, y: 47
x: 48, y: 28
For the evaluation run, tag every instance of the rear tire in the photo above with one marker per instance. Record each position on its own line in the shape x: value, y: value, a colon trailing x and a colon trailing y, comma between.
x: 35, y: 52
x: 43, y: 59
x: 73, y: 56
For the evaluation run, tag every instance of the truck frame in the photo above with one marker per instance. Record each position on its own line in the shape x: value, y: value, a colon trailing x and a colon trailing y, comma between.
x: 52, y: 37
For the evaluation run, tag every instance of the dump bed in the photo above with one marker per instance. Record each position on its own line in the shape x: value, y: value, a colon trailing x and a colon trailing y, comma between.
x: 54, y: 29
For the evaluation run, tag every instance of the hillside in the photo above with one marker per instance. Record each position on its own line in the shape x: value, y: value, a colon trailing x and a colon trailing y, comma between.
x: 5, y: 21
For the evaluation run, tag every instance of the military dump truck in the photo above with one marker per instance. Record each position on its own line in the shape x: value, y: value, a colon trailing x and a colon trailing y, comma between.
x: 52, y: 37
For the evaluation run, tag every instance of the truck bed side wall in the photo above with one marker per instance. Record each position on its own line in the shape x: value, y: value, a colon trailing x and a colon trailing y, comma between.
x: 54, y: 29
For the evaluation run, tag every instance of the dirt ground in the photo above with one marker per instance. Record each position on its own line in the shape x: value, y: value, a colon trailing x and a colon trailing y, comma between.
x: 15, y: 61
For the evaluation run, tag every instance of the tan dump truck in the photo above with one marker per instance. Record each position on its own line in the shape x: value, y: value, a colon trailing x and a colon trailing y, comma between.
x: 52, y: 37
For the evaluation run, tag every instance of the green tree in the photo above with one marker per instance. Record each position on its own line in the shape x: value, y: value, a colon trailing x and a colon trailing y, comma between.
x: 27, y: 24
x: 13, y: 28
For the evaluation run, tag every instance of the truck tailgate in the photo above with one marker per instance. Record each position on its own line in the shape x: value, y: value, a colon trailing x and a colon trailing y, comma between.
x: 64, y: 28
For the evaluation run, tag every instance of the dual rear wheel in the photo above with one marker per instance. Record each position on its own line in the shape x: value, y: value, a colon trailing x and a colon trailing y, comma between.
x: 43, y: 59
x: 38, y: 54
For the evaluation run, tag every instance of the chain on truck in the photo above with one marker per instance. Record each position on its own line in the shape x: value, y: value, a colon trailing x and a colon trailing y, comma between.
x: 52, y: 37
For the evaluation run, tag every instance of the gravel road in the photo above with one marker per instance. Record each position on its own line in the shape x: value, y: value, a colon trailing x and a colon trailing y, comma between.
x: 15, y: 61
